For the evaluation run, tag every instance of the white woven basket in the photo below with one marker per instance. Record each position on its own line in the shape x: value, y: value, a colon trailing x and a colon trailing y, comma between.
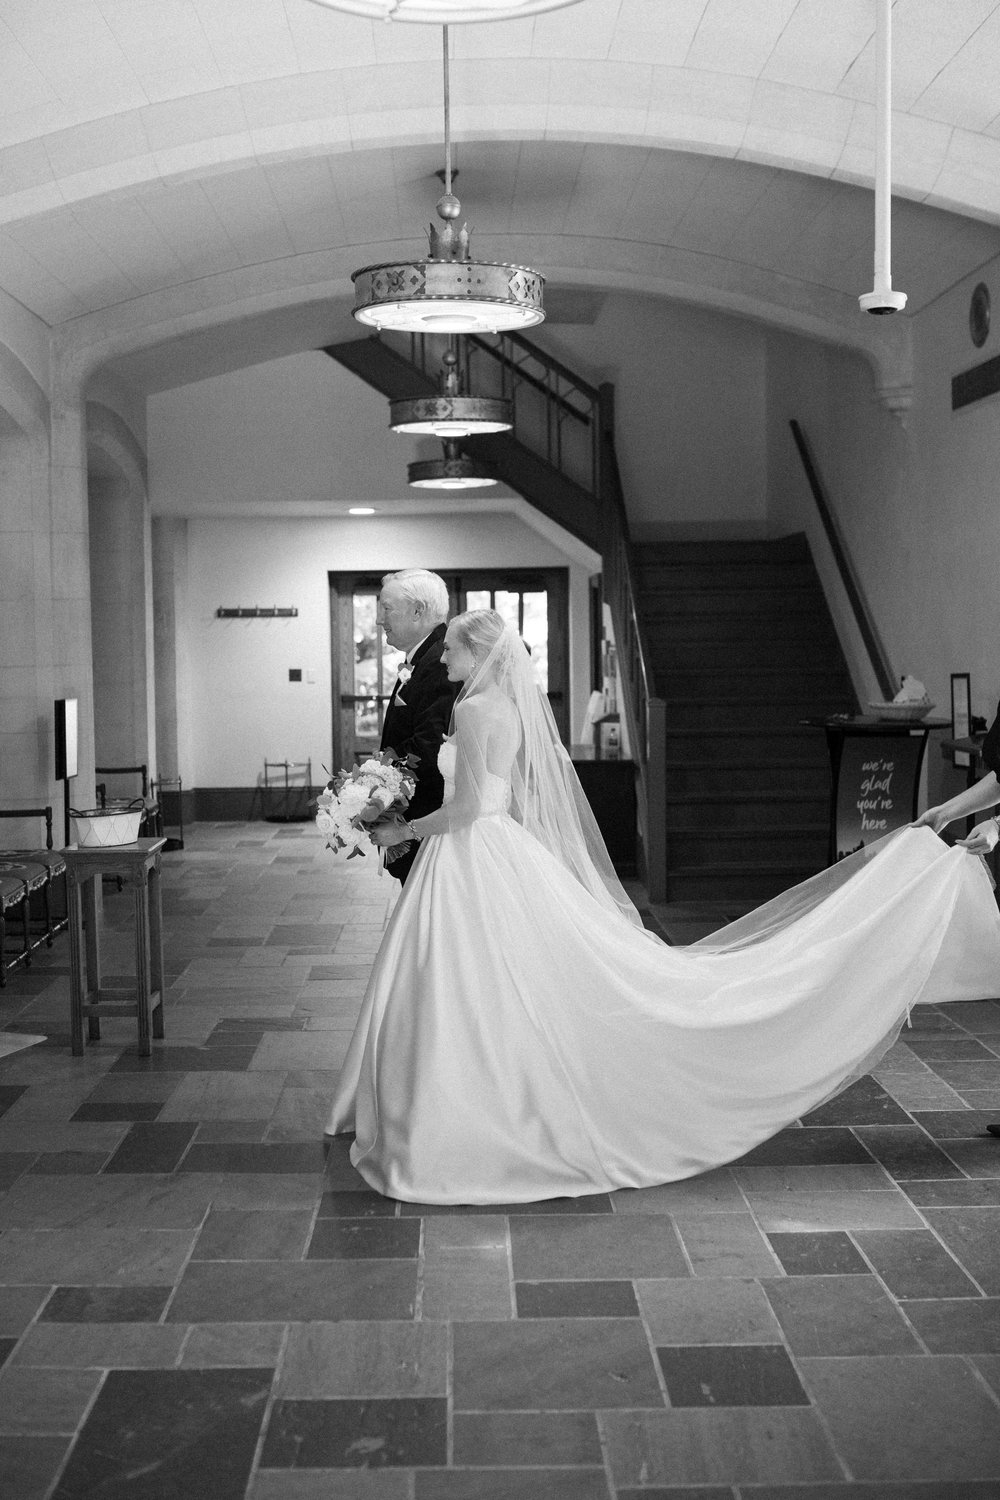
x: 907, y: 712
x: 107, y: 827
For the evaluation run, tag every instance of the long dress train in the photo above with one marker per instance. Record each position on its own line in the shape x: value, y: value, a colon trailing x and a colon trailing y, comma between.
x: 519, y: 1040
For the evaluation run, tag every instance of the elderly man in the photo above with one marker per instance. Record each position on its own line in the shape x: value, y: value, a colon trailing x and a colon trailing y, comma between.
x: 412, y: 609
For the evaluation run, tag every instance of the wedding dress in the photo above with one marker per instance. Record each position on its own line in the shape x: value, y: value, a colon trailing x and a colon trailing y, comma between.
x: 522, y: 1037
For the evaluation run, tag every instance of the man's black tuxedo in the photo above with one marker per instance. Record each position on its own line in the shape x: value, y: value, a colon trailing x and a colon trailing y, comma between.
x: 416, y: 722
x: 990, y: 750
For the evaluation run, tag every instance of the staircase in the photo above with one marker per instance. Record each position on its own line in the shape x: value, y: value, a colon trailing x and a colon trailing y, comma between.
x: 742, y: 647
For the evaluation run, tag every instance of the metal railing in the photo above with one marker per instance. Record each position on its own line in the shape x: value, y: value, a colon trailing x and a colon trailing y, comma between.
x: 556, y: 414
x: 570, y: 424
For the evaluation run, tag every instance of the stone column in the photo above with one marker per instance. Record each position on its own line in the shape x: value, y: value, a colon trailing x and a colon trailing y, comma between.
x: 72, y: 650
x: 169, y: 591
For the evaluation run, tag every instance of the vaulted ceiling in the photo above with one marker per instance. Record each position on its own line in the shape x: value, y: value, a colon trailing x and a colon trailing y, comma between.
x: 171, y: 167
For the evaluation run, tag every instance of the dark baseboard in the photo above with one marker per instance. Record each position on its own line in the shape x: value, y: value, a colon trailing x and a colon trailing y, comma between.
x: 247, y: 804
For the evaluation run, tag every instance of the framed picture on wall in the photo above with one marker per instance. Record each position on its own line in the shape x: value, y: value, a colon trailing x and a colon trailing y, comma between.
x: 961, y: 716
x: 66, y: 738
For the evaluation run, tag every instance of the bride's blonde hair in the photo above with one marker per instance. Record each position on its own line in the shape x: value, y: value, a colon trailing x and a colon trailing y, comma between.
x: 478, y: 630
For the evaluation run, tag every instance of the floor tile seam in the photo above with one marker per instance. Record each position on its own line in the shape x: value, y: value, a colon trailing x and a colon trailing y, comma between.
x: 661, y: 1378
x: 449, y: 1386
x: 188, y: 1261
x: 518, y: 1468
x: 272, y: 1397
x: 755, y: 1219
x: 421, y: 1266
x: 942, y: 1146
x: 983, y: 1293
x: 922, y: 1211
x: 75, y: 1437
x: 508, y: 1241
x: 981, y: 1380
x: 852, y: 1236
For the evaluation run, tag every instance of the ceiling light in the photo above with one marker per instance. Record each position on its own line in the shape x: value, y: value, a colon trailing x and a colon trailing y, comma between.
x: 443, y: 12
x: 455, y: 471
x: 361, y: 510
x: 448, y: 292
x: 451, y: 414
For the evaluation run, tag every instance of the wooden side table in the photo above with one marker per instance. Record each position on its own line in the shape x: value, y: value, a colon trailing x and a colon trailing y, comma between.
x: 138, y: 865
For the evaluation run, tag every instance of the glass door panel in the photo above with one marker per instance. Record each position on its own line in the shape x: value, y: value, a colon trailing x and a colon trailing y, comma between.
x: 375, y: 667
x: 528, y: 612
x: 364, y: 667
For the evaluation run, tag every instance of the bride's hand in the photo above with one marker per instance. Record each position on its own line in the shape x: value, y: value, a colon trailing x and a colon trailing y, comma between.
x: 935, y: 817
x: 982, y: 839
x: 385, y: 835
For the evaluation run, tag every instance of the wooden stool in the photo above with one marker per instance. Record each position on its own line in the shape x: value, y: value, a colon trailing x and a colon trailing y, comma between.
x: 138, y: 865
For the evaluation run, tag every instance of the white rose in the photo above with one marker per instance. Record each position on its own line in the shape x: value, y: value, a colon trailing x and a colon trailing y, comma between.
x: 353, y: 797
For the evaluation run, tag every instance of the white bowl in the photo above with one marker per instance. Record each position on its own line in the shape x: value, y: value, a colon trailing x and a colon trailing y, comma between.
x: 906, y: 712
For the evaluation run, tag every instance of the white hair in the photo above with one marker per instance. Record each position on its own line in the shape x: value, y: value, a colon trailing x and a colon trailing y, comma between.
x: 418, y: 586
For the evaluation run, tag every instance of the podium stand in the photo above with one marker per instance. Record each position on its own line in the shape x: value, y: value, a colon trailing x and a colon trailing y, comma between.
x: 137, y: 864
x: 875, y: 767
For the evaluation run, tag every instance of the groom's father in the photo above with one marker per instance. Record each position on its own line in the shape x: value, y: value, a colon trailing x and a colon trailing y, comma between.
x: 412, y: 609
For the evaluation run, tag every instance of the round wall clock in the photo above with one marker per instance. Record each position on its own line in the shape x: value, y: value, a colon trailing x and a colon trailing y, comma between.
x: 979, y: 314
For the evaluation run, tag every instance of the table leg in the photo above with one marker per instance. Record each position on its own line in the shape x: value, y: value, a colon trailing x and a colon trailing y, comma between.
x: 92, y: 987
x: 141, y: 892
x: 156, y: 947
x: 78, y: 978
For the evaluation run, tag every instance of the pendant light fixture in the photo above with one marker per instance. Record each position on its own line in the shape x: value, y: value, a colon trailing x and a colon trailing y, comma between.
x: 448, y: 291
x: 442, y: 12
x: 455, y: 471
x: 882, y: 299
x: 451, y: 414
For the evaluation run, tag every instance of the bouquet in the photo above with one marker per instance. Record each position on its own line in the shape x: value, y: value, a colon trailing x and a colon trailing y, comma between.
x: 353, y: 802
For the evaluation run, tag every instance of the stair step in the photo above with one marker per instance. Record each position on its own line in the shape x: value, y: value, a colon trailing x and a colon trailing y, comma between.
x: 798, y: 844
x: 755, y: 746
x: 811, y: 630
x: 744, y: 882
x: 763, y: 812
x: 732, y: 779
x: 720, y: 713
x: 654, y: 575
x: 797, y: 655
x: 793, y: 548
x: 759, y: 684
x: 671, y: 604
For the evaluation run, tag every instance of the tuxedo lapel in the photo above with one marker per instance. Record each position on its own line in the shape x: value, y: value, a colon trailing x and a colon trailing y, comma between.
x: 394, y: 726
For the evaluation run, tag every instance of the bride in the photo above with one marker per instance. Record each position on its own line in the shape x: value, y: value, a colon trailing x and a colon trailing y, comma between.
x: 523, y: 1037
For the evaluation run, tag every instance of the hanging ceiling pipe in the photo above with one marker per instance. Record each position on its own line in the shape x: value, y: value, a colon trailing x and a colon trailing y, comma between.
x: 882, y: 299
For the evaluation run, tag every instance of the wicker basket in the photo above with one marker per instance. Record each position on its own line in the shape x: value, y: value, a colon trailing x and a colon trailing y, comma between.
x: 907, y: 713
x: 109, y: 827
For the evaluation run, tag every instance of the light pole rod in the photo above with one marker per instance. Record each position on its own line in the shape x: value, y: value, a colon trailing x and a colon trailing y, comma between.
x: 447, y: 116
x: 883, y: 145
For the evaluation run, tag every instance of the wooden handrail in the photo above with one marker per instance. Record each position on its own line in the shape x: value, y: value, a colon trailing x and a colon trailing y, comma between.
x: 877, y: 655
x: 645, y: 712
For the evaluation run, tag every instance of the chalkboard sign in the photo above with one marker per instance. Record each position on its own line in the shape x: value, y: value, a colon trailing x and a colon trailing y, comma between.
x: 876, y: 784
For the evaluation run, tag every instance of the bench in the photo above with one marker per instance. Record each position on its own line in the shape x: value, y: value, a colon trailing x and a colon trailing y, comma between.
x: 34, y: 904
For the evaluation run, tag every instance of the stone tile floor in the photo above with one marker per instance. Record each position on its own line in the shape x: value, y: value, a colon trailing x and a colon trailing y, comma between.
x: 198, y: 1299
